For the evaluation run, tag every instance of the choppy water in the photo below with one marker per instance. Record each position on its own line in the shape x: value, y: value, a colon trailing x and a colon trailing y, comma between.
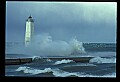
x: 96, y: 67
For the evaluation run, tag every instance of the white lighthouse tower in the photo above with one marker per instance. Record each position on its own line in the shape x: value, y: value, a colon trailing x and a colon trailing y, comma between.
x: 29, y: 30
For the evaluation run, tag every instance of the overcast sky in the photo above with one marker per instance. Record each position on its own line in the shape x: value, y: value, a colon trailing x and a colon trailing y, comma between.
x: 89, y: 22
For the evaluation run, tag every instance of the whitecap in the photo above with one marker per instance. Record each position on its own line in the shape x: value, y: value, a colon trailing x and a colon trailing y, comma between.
x: 36, y: 58
x: 60, y: 73
x: 102, y: 60
x: 63, y: 61
x: 26, y: 69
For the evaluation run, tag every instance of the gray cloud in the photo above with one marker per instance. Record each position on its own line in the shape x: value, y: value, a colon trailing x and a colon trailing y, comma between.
x: 95, y: 22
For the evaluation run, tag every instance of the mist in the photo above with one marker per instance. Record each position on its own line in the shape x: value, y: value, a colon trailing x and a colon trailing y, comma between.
x: 43, y: 45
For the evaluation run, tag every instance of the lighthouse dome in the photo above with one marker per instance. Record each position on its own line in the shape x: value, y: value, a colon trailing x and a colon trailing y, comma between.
x: 30, y: 19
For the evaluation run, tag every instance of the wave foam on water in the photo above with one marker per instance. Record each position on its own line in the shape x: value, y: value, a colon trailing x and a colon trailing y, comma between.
x: 26, y: 69
x: 56, y: 72
x: 36, y: 58
x: 63, y: 61
x: 102, y: 60
x: 60, y: 73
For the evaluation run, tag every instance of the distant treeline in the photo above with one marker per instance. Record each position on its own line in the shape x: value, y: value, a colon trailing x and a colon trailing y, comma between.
x: 87, y: 46
x: 99, y: 46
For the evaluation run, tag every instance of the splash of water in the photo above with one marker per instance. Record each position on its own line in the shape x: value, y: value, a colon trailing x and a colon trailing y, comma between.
x: 77, y: 46
x: 43, y: 45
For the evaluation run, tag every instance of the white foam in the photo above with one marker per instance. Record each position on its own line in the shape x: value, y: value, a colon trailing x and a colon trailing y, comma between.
x: 34, y: 71
x: 63, y: 61
x: 36, y: 58
x: 48, y: 60
x: 102, y: 60
x: 77, y: 46
x: 56, y: 72
x: 60, y: 73
x: 22, y: 68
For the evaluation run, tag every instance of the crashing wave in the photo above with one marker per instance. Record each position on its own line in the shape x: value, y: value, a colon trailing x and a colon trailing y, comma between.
x: 56, y: 72
x: 60, y: 73
x: 36, y: 58
x: 77, y: 47
x: 63, y: 61
x: 102, y: 60
x: 26, y: 69
x: 43, y: 45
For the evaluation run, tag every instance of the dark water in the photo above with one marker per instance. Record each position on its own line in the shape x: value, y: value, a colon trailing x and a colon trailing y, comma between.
x: 96, y: 67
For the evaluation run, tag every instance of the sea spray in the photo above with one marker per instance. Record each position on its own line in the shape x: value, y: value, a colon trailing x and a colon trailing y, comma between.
x: 77, y: 46
x: 43, y: 45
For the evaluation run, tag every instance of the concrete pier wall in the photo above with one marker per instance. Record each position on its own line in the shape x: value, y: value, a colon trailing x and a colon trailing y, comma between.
x: 28, y: 60
x: 17, y: 61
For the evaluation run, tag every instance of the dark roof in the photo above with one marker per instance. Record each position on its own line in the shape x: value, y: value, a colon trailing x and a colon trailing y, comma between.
x: 30, y: 16
x: 30, y: 19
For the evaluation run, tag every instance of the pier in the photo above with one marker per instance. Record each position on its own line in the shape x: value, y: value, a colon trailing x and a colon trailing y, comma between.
x: 19, y: 61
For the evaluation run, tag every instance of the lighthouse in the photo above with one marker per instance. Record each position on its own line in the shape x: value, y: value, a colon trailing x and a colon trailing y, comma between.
x: 29, y: 30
